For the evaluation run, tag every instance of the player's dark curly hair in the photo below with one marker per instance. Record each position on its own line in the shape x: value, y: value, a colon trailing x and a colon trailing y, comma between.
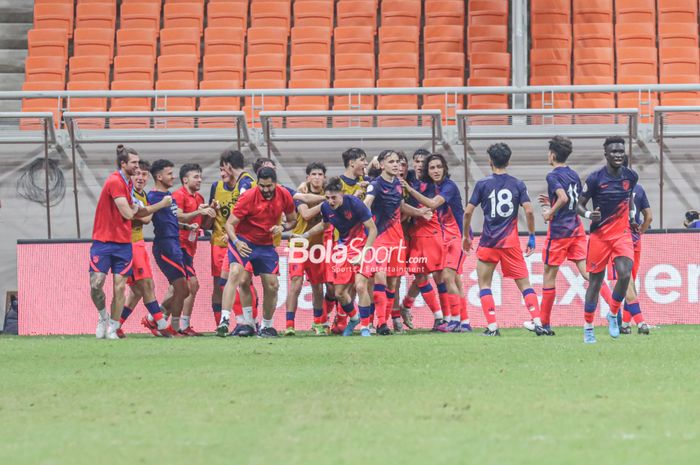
x: 613, y: 140
x: 187, y: 167
x: 425, y: 177
x: 267, y: 173
x: 334, y: 184
x: 233, y: 158
x: 315, y: 165
x: 123, y: 153
x: 160, y: 165
x: 561, y: 147
x: 499, y: 154
x: 144, y: 165
x: 353, y: 153
x: 259, y: 162
x: 421, y: 153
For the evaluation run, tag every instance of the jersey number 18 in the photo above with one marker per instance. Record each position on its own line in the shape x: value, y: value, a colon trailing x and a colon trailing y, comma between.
x: 501, y: 203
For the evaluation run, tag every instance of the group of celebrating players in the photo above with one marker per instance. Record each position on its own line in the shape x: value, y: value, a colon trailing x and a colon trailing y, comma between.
x: 353, y: 238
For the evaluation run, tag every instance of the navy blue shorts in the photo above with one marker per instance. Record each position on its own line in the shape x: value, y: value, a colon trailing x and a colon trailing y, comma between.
x: 188, y: 261
x: 263, y: 259
x: 114, y: 256
x: 168, y: 255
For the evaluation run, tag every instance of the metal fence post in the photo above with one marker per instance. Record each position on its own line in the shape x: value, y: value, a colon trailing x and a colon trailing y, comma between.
x: 46, y: 175
x: 71, y: 132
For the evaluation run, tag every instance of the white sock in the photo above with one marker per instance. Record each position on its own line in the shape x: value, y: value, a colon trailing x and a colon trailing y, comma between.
x: 240, y: 320
x: 150, y: 317
x: 639, y: 325
x: 175, y: 323
x: 113, y: 325
x: 162, y: 324
x: 103, y: 314
x: 225, y: 315
x: 493, y: 326
x: 248, y: 315
x: 266, y: 323
x: 466, y: 322
x: 537, y: 321
x: 438, y: 315
x: 625, y: 324
x: 588, y: 326
x: 184, y: 322
x: 354, y: 318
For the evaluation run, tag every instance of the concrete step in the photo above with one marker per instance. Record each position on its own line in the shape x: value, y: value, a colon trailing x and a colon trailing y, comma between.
x: 17, y: 11
x: 14, y: 35
x: 10, y: 105
x: 12, y: 61
x: 11, y: 81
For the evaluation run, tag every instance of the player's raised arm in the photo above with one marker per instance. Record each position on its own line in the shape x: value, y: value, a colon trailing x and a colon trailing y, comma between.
x: 308, y: 213
x: 432, y: 203
x: 425, y: 213
x: 309, y: 198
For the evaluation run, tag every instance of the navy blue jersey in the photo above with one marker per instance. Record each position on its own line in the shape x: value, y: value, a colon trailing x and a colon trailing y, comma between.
x: 450, y: 213
x: 611, y: 194
x: 165, y: 224
x: 387, y: 202
x: 500, y: 196
x: 566, y: 222
x: 347, y: 219
x: 639, y: 203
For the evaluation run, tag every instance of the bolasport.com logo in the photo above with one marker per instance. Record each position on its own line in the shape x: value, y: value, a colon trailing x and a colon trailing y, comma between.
x: 339, y: 254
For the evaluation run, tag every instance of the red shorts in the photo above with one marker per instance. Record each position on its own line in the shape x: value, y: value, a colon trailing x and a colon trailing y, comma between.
x: 612, y: 274
x: 315, y: 272
x: 141, y: 263
x: 219, y: 261
x: 511, y: 260
x: 557, y: 251
x: 426, y: 255
x: 601, y: 251
x: 454, y: 255
x: 343, y: 273
x: 387, y: 255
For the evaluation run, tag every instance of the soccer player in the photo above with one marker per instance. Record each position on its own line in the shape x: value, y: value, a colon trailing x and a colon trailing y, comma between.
x: 385, y: 199
x: 610, y: 188
x: 224, y: 194
x: 353, y: 222
x: 500, y: 195
x: 111, y: 248
x: 314, y: 271
x: 141, y: 284
x: 166, y: 243
x: 250, y: 228
x: 444, y: 245
x: 192, y: 211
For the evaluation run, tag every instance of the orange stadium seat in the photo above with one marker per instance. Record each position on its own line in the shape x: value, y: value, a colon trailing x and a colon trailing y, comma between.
x: 550, y: 62
x: 593, y: 35
x: 52, y: 105
x: 592, y: 11
x: 354, y: 66
x: 397, y: 102
x: 354, y: 39
x: 635, y: 35
x: 401, y: 13
x: 444, y: 65
x: 270, y: 14
x: 678, y: 11
x: 218, y: 104
x: 223, y: 68
x: 178, y: 68
x: 267, y: 40
x: 638, y: 61
x: 266, y: 66
x: 487, y: 39
x: 489, y: 65
x: 488, y: 12
x: 175, y: 103
x: 96, y: 15
x: 48, y: 42
x: 679, y: 61
x: 477, y: 101
x: 688, y: 98
x: 88, y: 103
x: 308, y: 102
x: 137, y: 42
x: 134, y: 68
x: 399, y: 39
x: 353, y: 102
x: 140, y: 16
x: 184, y: 15
x: 678, y: 35
x: 635, y: 11
x: 130, y: 104
x: 594, y: 62
x: 224, y: 41
x: 398, y: 65
x: 94, y: 42
x: 180, y: 41
x: 550, y: 12
x: 357, y: 13
x: 45, y: 69
x: 449, y: 104
x: 94, y: 69
x: 315, y: 14
x: 597, y: 96
x: 316, y: 67
x: 444, y: 12
x: 557, y: 35
x: 644, y: 101
x: 550, y: 100
x: 253, y: 106
x: 437, y: 39
x: 311, y: 40
x: 54, y: 16
x: 228, y: 15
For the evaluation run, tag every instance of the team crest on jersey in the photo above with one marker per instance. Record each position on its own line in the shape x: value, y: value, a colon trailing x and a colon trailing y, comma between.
x: 423, y: 186
x: 625, y: 185
x: 96, y: 260
x: 399, y: 189
x: 347, y: 215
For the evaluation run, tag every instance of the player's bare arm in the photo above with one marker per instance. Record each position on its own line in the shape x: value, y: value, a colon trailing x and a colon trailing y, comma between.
x: 530, y: 218
x: 371, y: 228
x: 466, y: 225
x: 308, y: 213
x: 433, y: 203
x: 230, y: 228
x: 583, y: 211
x: 424, y: 212
x: 316, y: 229
x: 309, y: 198
x: 562, y: 199
x: 646, y: 223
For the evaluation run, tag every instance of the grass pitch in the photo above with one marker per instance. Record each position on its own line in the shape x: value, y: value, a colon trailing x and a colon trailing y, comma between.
x: 414, y: 399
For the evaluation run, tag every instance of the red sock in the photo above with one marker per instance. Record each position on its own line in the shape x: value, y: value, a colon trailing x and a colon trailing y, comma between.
x: 328, y: 306
x: 445, y: 305
x: 463, y: 311
x: 638, y: 318
x: 380, y: 304
x: 237, y: 307
x: 455, y: 305
x: 254, y: 301
x: 588, y: 317
x: 531, y: 303
x: 548, y: 296
x: 217, y: 318
x: 626, y: 316
x: 488, y: 305
x: 408, y: 301
x: 606, y: 293
x: 616, y: 304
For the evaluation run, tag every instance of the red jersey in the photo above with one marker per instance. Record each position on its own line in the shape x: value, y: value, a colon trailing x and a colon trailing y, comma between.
x: 258, y: 215
x: 109, y: 224
x: 189, y: 203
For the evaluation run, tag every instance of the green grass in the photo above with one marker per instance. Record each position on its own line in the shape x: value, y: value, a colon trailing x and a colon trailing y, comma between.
x: 423, y: 399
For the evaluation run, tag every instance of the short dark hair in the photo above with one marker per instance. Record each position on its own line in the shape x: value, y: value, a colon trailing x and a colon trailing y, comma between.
x: 402, y: 156
x: 187, y: 167
x: 384, y: 154
x: 259, y: 162
x: 421, y: 153
x: 334, y: 184
x: 267, y: 173
x: 499, y: 154
x: 613, y: 140
x: 561, y: 147
x: 315, y: 165
x: 353, y: 153
x: 123, y: 153
x: 160, y: 165
x: 144, y: 165
x: 233, y: 158
x: 425, y: 177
